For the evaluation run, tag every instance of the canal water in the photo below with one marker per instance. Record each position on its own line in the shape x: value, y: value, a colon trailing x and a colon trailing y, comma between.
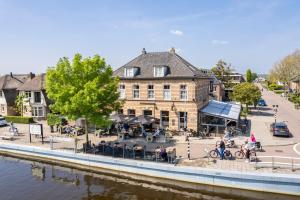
x: 28, y: 180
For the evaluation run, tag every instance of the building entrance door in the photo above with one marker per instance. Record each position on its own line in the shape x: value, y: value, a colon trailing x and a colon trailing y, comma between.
x: 182, y: 119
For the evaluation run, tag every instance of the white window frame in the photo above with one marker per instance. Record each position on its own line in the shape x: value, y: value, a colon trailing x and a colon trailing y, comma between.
x: 27, y: 94
x: 159, y: 71
x: 184, y: 118
x: 122, y: 91
x: 37, y: 110
x: 167, y: 91
x: 137, y: 89
x: 150, y: 91
x: 130, y: 114
x: 2, y: 108
x: 129, y: 72
x: 182, y: 92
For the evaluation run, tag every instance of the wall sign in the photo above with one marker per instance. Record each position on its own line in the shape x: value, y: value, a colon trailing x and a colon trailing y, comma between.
x: 37, y: 130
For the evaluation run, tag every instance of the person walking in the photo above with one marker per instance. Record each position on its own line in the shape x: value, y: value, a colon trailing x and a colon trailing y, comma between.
x: 222, y: 149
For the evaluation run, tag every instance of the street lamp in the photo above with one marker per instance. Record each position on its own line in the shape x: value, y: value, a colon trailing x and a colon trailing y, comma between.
x: 275, y: 108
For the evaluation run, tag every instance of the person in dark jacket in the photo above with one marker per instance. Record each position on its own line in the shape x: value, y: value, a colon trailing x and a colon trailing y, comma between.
x: 222, y: 149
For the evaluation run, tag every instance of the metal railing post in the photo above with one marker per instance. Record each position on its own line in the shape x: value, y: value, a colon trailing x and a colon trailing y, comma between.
x: 124, y: 151
x: 256, y: 164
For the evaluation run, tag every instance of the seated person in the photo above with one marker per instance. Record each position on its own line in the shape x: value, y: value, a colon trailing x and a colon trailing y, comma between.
x: 126, y: 126
x: 130, y: 132
x: 226, y: 134
x: 123, y: 130
x: 163, y: 153
x: 252, y: 140
x: 157, y: 132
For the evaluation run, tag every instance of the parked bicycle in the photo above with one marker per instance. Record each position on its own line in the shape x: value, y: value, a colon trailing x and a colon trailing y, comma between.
x: 204, y: 134
x: 241, y: 153
x: 215, y: 153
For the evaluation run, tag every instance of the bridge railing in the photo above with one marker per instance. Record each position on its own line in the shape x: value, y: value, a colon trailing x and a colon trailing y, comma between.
x: 274, y: 162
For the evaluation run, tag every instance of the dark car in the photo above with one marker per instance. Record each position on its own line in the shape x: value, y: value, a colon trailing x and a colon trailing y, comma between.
x: 279, y: 129
x: 262, y: 102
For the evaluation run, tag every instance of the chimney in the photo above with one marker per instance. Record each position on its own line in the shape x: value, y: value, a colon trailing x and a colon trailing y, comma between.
x: 172, y: 50
x: 31, y: 75
x: 11, y: 74
x: 144, y: 51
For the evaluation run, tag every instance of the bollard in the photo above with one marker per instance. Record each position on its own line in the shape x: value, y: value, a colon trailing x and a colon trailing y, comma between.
x: 188, y: 148
x: 124, y: 150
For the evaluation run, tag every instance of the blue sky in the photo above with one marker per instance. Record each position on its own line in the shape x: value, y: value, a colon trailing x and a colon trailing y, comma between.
x: 255, y: 34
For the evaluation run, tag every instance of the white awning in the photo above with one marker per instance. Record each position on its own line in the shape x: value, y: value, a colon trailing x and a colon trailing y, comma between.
x: 223, y: 109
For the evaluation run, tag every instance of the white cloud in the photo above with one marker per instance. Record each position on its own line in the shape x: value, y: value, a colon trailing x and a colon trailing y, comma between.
x: 219, y: 42
x: 176, y: 32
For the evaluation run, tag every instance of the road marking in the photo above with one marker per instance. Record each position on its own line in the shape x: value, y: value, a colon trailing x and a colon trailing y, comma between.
x: 295, y: 148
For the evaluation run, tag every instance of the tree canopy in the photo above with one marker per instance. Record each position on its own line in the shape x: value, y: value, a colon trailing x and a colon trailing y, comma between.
x: 246, y: 93
x: 286, y: 69
x: 83, y: 88
x: 222, y: 71
x: 249, y: 76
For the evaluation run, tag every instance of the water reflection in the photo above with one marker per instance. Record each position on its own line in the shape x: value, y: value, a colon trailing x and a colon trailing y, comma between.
x: 34, y: 180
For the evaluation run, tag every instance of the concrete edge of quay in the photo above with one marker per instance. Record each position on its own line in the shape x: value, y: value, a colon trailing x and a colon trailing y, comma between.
x: 261, y: 185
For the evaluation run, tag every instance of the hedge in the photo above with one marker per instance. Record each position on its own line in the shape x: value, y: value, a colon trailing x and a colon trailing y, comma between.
x: 275, y: 87
x: 279, y: 91
x: 19, y: 119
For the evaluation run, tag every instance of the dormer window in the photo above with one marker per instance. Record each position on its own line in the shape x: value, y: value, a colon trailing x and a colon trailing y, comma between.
x: 160, y: 71
x: 131, y: 71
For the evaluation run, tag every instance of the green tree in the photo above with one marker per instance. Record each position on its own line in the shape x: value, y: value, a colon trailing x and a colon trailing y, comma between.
x: 254, y: 76
x: 19, y: 103
x: 246, y: 93
x: 222, y: 71
x: 249, y: 76
x: 83, y: 88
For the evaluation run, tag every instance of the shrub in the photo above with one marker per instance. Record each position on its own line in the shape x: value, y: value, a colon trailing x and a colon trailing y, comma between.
x: 53, y: 119
x: 279, y: 91
x: 295, y: 98
x: 274, y: 86
x: 19, y: 119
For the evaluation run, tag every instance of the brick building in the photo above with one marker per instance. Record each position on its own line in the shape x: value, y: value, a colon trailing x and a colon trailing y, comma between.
x: 165, y: 86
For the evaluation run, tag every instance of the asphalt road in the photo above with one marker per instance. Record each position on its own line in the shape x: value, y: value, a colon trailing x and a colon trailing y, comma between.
x: 287, y: 113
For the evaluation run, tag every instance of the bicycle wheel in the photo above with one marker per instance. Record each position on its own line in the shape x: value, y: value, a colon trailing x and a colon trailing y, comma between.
x: 228, y: 155
x: 239, y: 154
x: 213, y: 154
x: 252, y: 155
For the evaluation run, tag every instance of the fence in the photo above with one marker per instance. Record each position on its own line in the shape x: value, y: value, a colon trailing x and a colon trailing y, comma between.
x: 120, y: 150
x: 277, y: 162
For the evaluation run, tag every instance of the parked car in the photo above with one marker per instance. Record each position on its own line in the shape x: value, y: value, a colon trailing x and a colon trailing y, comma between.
x: 279, y: 129
x: 262, y: 102
x: 3, y: 121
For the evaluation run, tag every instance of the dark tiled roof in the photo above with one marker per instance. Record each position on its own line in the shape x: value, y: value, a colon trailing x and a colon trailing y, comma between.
x: 13, y: 81
x: 10, y: 96
x: 178, y: 67
x: 35, y: 84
